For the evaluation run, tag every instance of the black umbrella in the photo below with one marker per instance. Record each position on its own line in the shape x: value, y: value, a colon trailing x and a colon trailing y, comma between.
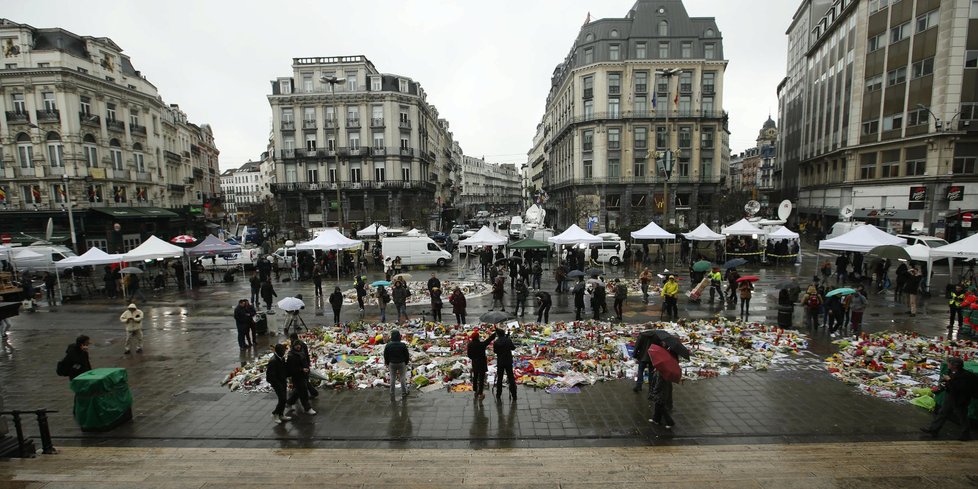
x: 787, y: 284
x: 575, y: 274
x: 670, y: 342
x: 496, y: 317
x: 507, y: 261
x: 594, y: 272
x: 736, y: 262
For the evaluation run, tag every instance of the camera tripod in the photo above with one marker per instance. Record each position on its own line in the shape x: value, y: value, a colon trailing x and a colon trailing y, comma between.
x: 294, y: 320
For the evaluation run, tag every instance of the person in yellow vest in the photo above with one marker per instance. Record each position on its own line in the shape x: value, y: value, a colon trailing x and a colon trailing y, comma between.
x: 670, y: 294
x: 957, y: 297
x: 716, y: 280
x: 133, y: 319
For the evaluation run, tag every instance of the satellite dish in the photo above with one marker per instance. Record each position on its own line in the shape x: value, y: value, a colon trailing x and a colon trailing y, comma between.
x: 49, y: 230
x: 847, y: 212
x: 752, y: 207
x: 784, y: 210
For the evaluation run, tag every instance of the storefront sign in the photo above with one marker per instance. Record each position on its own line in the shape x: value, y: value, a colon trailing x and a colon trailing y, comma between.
x: 918, y: 197
x: 955, y: 193
x: 966, y: 219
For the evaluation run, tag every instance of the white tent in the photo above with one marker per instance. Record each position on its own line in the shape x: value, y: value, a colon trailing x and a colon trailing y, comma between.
x: 329, y: 239
x: 574, y: 235
x: 92, y: 257
x: 861, y: 239
x: 652, y: 231
x: 153, y: 249
x: 484, y: 237
x: 703, y: 233
x: 371, y: 231
x: 782, y: 233
x: 965, y: 248
x: 742, y: 228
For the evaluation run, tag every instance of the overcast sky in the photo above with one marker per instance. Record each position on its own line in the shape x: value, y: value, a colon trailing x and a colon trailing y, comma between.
x: 485, y: 65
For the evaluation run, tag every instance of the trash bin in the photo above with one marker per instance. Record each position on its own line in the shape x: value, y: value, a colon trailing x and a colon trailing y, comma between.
x: 261, y: 323
x: 102, y: 399
x: 785, y: 315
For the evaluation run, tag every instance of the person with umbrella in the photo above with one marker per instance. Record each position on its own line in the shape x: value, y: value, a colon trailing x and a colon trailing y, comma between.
x: 579, y: 303
x: 132, y: 285
x: 644, y: 279
x: 401, y: 293
x: 457, y: 300
x: 436, y: 304
x: 476, y: 351
x: 660, y: 391
x: 543, y: 306
x: 504, y: 347
x: 732, y: 276
x: 857, y: 302
x: 383, y: 297
x: 267, y: 293
x: 336, y: 301
x: 621, y: 293
x: 670, y: 295
x: 746, y: 288
x: 522, y: 294
x: 641, y: 355
x: 835, y: 310
x: 244, y: 316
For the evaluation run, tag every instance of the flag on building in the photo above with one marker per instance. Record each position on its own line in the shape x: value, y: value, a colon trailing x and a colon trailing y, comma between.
x: 654, y: 101
x: 676, y: 99
x: 35, y: 194
x: 3, y: 195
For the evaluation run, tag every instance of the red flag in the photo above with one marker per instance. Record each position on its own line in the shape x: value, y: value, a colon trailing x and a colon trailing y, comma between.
x: 676, y: 100
x: 36, y: 193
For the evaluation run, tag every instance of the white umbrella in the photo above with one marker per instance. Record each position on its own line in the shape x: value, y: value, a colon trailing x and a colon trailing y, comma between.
x: 291, y: 304
x: 131, y: 270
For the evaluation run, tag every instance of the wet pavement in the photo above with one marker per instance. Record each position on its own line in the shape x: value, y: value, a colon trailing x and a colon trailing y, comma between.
x: 190, y: 346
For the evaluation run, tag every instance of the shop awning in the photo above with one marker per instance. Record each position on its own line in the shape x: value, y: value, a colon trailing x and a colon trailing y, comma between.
x: 135, y: 212
x: 903, y: 214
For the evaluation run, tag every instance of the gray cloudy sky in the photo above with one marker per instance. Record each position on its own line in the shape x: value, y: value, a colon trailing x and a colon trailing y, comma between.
x: 485, y: 65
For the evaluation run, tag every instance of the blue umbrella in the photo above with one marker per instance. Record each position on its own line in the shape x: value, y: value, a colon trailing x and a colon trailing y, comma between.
x: 736, y: 262
x: 381, y: 282
x: 841, y: 291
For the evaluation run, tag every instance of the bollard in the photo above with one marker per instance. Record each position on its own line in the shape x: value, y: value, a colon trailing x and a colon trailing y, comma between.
x: 42, y: 425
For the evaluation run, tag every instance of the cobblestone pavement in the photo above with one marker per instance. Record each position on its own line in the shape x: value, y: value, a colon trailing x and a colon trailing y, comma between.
x: 191, y: 346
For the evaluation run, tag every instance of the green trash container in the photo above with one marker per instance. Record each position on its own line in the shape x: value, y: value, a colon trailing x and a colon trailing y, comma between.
x: 973, y: 406
x: 102, y: 399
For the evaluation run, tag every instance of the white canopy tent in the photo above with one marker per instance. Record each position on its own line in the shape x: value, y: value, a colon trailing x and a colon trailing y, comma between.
x: 330, y: 239
x: 783, y: 233
x: 703, y: 233
x: 742, y: 227
x: 652, y: 231
x: 153, y: 249
x: 212, y: 245
x: 414, y: 232
x: 372, y: 231
x: 484, y: 237
x: 861, y: 239
x: 574, y: 235
x: 966, y: 248
x: 94, y: 256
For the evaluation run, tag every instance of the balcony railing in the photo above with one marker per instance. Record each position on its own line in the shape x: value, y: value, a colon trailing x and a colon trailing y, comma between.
x: 406, y: 151
x: 142, y: 176
x: 631, y: 180
x: 404, y: 124
x: 309, y: 124
x: 378, y: 151
x: 90, y: 119
x: 376, y: 122
x: 115, y: 125
x: 27, y: 172
x: 658, y: 115
x: 53, y: 115
x: 18, y: 117
x: 137, y: 129
x: 348, y: 185
x: 288, y: 125
x: 353, y: 123
x: 330, y: 123
x: 120, y: 174
x: 175, y: 187
x: 171, y: 156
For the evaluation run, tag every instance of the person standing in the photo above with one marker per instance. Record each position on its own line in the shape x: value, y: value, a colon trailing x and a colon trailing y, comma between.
x: 670, y: 297
x: 436, y: 304
x: 641, y: 355
x: 716, y: 283
x: 336, y: 302
x: 732, y: 276
x: 178, y: 274
x: 543, y: 304
x: 644, y: 280
x: 317, y: 279
x: 277, y: 376
x: 560, y: 275
x: 912, y: 288
x: 579, y: 290
x: 267, y: 293
x: 307, y: 366
x: 812, y: 302
x: 601, y: 293
x: 396, y: 358
x: 841, y: 269
x: 660, y: 393
x: 746, y: 289
x: 960, y: 387
x: 255, y: 283
x: 621, y: 293
x: 457, y: 300
x: 244, y: 317
x: 383, y: 297
x: 50, y: 283
x: 476, y: 351
x: 626, y: 258
x: 108, y: 278
x: 433, y: 282
x: 857, y: 306
x: 401, y: 294
x: 132, y: 317
x: 360, y: 284
x: 522, y: 294
x: 498, y: 292
x: 503, y: 347
x: 295, y: 365
x: 76, y: 360
x: 537, y: 274
x: 954, y: 304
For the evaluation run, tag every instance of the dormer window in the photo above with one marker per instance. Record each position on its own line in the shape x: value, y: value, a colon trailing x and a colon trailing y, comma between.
x: 709, y: 33
x: 663, y: 28
x: 402, y: 85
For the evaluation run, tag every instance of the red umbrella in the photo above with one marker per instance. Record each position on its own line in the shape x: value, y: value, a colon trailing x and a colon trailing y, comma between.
x: 183, y: 239
x: 665, y: 363
x: 748, y: 278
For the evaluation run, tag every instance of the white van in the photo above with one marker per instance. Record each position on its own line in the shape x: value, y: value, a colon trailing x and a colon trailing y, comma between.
x: 609, y: 251
x: 843, y: 227
x: 420, y: 250
x: 516, y: 228
x: 49, y: 255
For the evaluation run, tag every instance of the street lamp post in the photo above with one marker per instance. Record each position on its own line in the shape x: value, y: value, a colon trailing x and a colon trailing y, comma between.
x: 667, y: 158
x: 71, y: 216
x: 333, y: 81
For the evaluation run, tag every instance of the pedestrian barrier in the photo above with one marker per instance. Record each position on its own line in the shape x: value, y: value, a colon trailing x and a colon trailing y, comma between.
x: 25, y: 447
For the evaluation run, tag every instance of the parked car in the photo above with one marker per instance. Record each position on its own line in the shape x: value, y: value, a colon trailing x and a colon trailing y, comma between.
x: 929, y: 241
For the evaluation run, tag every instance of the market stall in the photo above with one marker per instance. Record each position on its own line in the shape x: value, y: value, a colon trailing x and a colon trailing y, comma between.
x: 743, y: 230
x: 704, y: 233
x: 966, y: 248
x: 786, y: 244
x: 861, y: 239
x: 573, y: 236
x: 330, y: 239
x: 483, y: 237
x: 653, y: 232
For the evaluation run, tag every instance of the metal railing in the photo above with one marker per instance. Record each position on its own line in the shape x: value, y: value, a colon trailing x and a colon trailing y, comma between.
x: 376, y: 122
x: 53, y: 115
x: 25, y: 448
x: 137, y: 129
x: 288, y: 125
x: 309, y: 124
x: 353, y: 123
x: 115, y: 125
x: 632, y: 180
x: 348, y: 185
x: 90, y: 119
x: 404, y: 124
x: 18, y: 117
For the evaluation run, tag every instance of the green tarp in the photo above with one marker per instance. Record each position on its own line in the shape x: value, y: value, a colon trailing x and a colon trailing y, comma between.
x: 102, y: 398
x: 528, y: 244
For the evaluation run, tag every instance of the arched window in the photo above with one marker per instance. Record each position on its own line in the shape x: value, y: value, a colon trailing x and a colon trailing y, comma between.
x: 137, y: 157
x: 115, y: 152
x: 56, y: 150
x: 90, y: 150
x: 663, y: 28
x: 25, y: 151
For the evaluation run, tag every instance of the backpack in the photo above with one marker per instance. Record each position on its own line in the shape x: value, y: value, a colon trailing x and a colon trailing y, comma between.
x: 813, y: 301
x: 64, y: 368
